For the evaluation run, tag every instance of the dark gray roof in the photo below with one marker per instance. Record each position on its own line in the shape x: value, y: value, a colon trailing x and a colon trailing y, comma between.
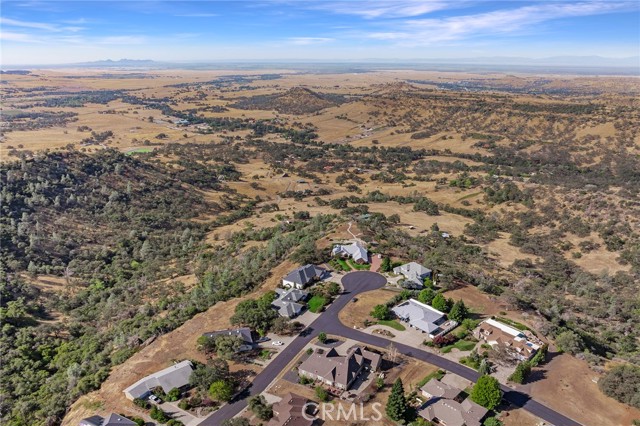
x: 244, y: 333
x: 118, y: 420
x: 304, y: 274
x: 92, y: 421
x: 287, y: 302
x: 175, y: 376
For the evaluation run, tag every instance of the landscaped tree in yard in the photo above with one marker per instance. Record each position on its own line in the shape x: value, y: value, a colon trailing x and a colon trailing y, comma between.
x: 385, y: 266
x: 380, y: 312
x: 440, y: 303
x: 426, y: 296
x: 221, y: 390
x: 322, y: 337
x: 258, y: 406
x: 486, y: 392
x: 458, y: 312
x: 397, y: 404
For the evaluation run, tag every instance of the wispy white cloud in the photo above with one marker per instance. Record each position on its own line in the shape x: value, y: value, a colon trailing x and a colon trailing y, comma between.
x: 121, y: 40
x: 28, y: 24
x: 432, y: 30
x: 388, y: 9
x: 19, y: 37
x: 305, y: 41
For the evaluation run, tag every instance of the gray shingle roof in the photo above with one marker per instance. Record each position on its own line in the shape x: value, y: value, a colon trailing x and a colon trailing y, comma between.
x: 175, y: 376
x: 419, y: 315
x: 413, y: 271
x: 287, y: 302
x: 118, y: 420
x: 353, y: 250
x: 244, y: 333
x: 304, y: 274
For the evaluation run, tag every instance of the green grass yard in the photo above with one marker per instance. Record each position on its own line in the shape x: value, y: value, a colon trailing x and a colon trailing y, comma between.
x: 461, y: 345
x: 438, y: 374
x: 393, y: 324
x: 316, y: 303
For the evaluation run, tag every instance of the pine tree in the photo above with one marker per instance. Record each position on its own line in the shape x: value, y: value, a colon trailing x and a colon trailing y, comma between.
x: 385, y: 266
x: 397, y: 404
x: 459, y: 311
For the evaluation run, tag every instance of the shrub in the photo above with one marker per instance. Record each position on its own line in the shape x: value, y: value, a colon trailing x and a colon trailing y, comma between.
x: 381, y: 312
x: 322, y: 394
x: 623, y: 384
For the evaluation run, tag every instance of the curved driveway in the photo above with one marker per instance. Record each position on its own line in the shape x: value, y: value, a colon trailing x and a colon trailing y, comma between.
x: 355, y: 283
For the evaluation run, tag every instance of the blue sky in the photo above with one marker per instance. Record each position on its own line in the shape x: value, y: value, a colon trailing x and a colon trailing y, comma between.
x: 41, y: 32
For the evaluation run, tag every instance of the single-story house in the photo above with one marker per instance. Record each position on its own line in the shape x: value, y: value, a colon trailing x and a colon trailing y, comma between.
x: 424, y: 317
x: 243, y: 333
x: 303, y: 276
x: 510, y: 339
x: 176, y: 376
x: 413, y: 272
x: 111, y: 420
x: 290, y: 411
x: 443, y: 411
x: 434, y: 388
x: 354, y: 251
x: 339, y: 371
x: 287, y: 302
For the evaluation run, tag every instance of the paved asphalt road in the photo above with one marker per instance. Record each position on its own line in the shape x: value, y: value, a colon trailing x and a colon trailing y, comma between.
x: 355, y: 283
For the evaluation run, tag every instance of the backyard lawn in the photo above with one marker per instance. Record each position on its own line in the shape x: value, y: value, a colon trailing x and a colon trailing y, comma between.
x: 316, y: 303
x: 393, y: 324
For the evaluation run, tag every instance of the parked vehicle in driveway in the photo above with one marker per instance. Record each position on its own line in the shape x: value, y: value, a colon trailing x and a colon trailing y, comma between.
x: 155, y: 399
x: 277, y: 343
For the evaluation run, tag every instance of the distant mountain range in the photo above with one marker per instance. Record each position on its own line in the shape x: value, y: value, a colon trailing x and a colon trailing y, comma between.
x: 566, y: 64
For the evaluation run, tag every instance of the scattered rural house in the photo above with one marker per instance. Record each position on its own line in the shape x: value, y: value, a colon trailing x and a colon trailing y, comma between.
x: 424, y: 317
x: 112, y: 420
x: 413, y: 272
x: 182, y: 122
x: 354, y: 250
x: 287, y: 302
x: 290, y: 412
x: 303, y: 276
x: 443, y: 411
x: 176, y: 376
x: 434, y: 388
x: 339, y: 371
x: 243, y: 333
x: 512, y: 340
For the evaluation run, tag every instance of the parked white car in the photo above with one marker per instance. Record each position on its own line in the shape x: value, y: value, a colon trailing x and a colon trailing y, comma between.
x: 277, y: 343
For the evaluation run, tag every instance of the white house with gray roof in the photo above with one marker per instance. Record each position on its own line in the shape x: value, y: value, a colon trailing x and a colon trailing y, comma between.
x: 354, y: 250
x: 176, y: 376
x: 303, y: 276
x: 111, y: 420
x: 287, y: 303
x: 413, y: 272
x: 424, y: 317
x: 243, y: 333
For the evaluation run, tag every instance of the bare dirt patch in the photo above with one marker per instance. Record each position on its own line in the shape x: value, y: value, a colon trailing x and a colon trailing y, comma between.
x: 569, y: 387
